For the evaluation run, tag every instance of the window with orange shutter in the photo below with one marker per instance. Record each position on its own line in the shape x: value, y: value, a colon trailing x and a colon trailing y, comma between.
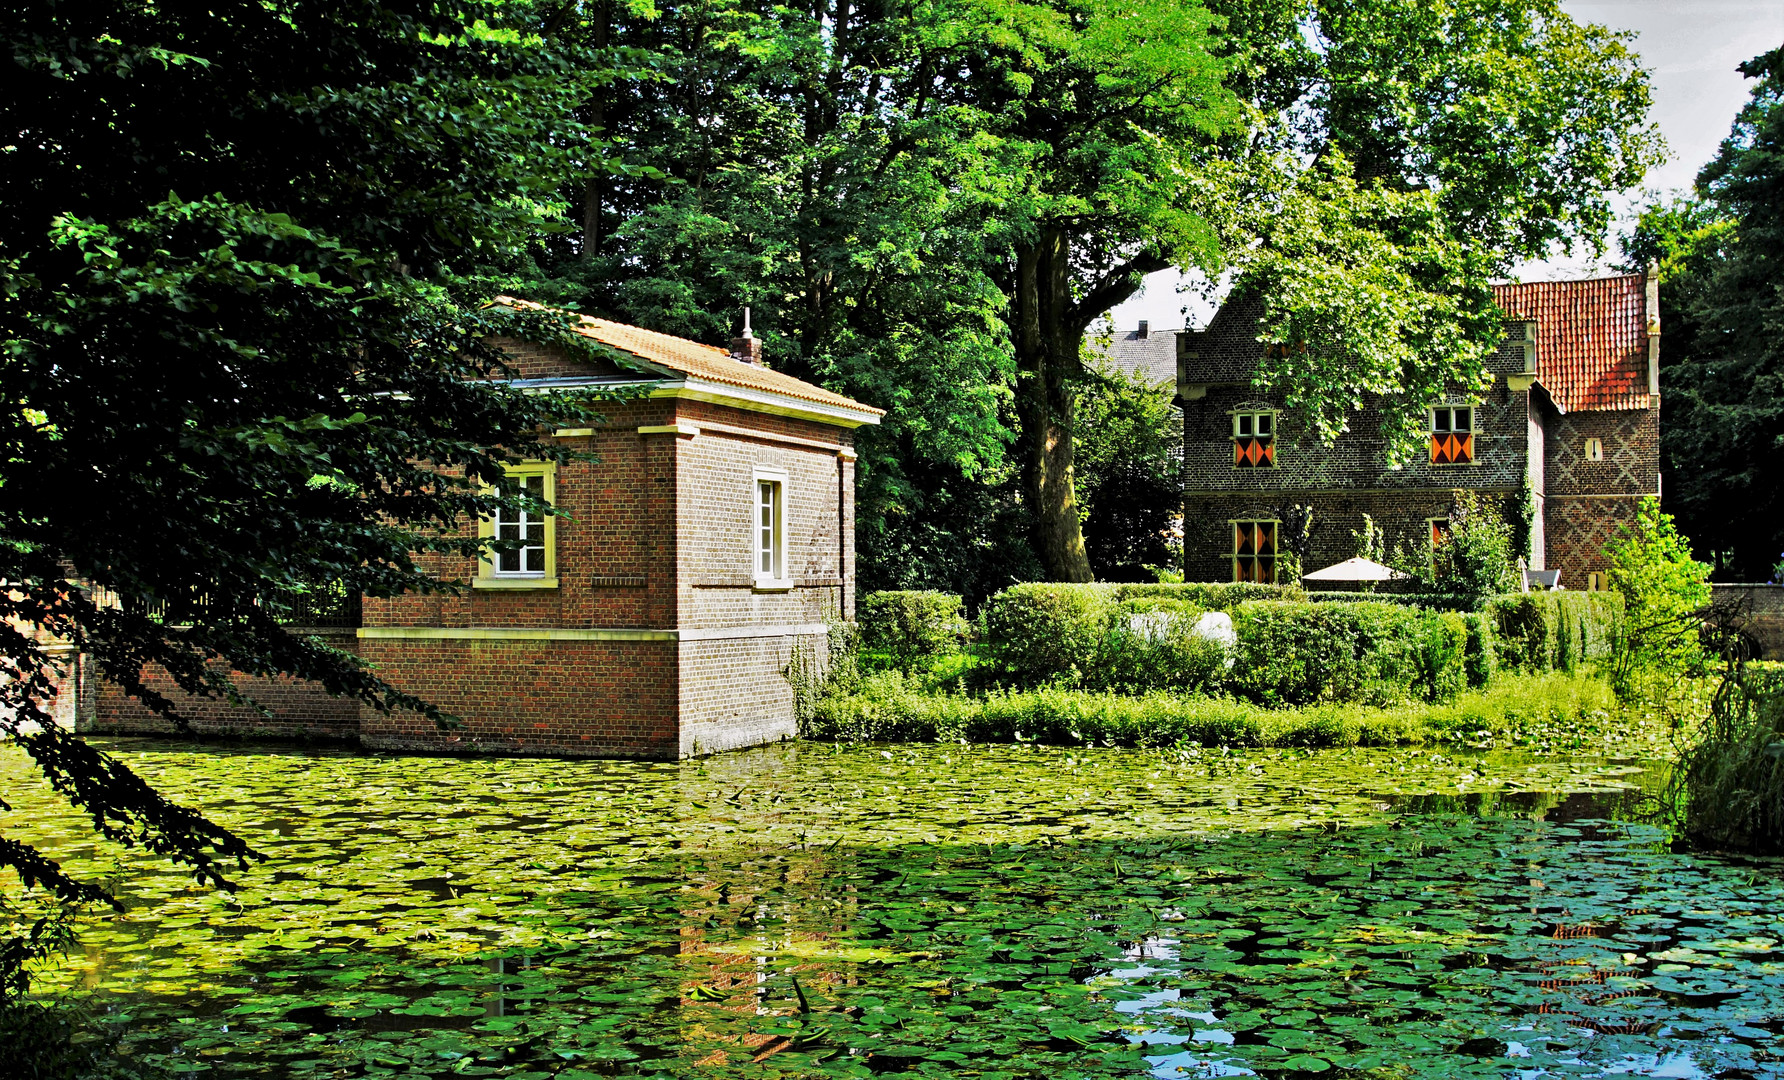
x: 1452, y: 435
x: 1254, y: 439
x: 1254, y: 551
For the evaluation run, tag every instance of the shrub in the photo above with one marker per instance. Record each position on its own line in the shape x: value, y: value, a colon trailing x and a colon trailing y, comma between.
x: 1154, y: 645
x: 1733, y: 776
x: 1664, y: 591
x: 1436, y: 601
x: 1209, y: 596
x: 1553, y: 631
x: 1298, y: 654
x: 1083, y: 635
x: 1045, y: 630
x: 907, y: 627
x: 1479, y: 656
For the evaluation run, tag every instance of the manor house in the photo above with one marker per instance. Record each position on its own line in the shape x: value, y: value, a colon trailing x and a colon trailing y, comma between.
x: 1571, y: 423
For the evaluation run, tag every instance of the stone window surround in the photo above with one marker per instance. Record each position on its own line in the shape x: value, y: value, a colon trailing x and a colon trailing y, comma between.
x: 776, y: 479
x: 488, y: 577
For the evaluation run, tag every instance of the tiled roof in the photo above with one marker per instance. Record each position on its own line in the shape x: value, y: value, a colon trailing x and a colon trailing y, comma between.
x: 691, y: 358
x: 1153, y: 357
x: 1591, y: 339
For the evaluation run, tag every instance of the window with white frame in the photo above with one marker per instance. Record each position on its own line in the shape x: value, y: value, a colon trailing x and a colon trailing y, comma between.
x: 527, y: 555
x: 768, y: 532
x: 1452, y: 435
x: 1254, y: 439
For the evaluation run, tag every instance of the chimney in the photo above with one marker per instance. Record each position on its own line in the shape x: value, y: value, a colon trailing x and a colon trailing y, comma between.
x: 1143, y: 328
x: 1652, y: 303
x: 747, y: 348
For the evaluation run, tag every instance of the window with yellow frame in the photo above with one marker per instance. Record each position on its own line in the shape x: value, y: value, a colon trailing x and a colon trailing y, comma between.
x: 532, y: 562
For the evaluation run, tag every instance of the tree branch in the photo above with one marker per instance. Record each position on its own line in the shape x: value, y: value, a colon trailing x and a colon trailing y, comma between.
x: 1114, y: 287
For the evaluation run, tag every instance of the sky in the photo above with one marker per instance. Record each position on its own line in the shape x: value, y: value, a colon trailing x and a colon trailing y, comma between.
x: 1691, y: 46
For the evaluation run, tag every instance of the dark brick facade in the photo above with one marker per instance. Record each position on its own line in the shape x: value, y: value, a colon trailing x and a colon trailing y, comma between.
x: 654, y: 638
x: 1523, y: 441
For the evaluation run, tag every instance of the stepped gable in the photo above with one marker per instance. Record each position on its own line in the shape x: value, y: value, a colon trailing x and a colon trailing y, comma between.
x: 1591, y: 339
x: 690, y: 358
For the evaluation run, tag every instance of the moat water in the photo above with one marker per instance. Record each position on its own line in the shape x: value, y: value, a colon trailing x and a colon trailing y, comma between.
x: 999, y: 912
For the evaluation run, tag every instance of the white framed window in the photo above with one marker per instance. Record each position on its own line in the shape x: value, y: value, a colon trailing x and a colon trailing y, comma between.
x: 531, y: 561
x: 1254, y: 439
x: 1594, y: 449
x: 1452, y: 435
x: 768, y: 529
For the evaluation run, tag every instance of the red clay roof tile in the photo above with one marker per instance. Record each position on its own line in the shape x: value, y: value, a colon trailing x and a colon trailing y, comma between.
x: 1591, y: 339
x: 699, y: 361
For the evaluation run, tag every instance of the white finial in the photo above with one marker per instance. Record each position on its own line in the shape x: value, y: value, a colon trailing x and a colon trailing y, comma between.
x: 746, y: 323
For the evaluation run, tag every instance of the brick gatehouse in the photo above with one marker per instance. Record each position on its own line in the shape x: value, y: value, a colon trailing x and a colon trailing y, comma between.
x: 713, y: 535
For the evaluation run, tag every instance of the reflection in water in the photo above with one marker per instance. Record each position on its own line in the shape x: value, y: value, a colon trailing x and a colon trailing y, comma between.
x: 805, y: 911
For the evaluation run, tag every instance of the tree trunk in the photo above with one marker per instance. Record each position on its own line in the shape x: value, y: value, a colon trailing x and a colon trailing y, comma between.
x: 1047, y: 343
x: 594, y: 192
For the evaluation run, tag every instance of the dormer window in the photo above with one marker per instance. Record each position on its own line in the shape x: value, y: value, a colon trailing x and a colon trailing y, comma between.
x: 1452, y: 435
x: 1254, y: 439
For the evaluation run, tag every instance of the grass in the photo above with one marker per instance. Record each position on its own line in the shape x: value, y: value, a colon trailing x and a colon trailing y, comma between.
x: 1538, y: 712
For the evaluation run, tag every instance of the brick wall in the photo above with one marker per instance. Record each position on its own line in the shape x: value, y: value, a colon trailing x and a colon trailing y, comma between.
x: 299, y: 710
x: 576, y: 698
x: 1401, y: 515
x: 656, y: 641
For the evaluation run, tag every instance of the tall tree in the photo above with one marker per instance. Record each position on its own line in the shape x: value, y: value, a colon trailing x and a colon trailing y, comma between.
x: 1721, y: 257
x: 241, y: 350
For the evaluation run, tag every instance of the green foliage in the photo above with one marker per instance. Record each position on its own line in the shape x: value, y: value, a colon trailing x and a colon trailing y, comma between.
x: 1665, y: 592
x: 1519, y: 711
x: 1554, y: 631
x: 1480, y: 656
x: 1435, y: 601
x: 909, y: 627
x: 1720, y: 250
x: 1477, y: 561
x: 1048, y: 630
x: 1731, y: 777
x: 1372, y: 653
x: 245, y: 359
x: 1128, y: 445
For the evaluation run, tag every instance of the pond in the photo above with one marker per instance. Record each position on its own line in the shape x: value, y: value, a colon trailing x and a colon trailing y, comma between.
x: 811, y: 911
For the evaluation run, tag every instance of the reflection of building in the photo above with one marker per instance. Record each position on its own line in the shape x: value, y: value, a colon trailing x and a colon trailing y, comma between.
x: 710, y: 535
x: 1573, y: 415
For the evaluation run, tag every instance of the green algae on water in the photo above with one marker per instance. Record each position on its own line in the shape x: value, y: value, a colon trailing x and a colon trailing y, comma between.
x: 1010, y: 911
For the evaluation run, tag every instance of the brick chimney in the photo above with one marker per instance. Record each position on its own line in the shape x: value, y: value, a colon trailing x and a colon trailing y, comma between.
x: 747, y: 348
x: 1652, y: 304
x: 1144, y: 328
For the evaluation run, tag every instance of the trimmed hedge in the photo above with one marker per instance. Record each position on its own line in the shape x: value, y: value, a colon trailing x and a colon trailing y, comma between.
x: 1554, y: 631
x: 909, y: 626
x: 1289, y: 652
x: 1435, y: 601
x: 1086, y: 636
x: 1376, y: 654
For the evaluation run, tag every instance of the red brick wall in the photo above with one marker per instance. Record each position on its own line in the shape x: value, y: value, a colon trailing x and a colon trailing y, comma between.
x: 653, y: 535
x: 580, y: 698
x: 300, y: 710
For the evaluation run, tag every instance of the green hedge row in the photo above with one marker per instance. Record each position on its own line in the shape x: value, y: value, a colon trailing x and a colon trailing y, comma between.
x: 1283, y: 652
x: 1554, y: 631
